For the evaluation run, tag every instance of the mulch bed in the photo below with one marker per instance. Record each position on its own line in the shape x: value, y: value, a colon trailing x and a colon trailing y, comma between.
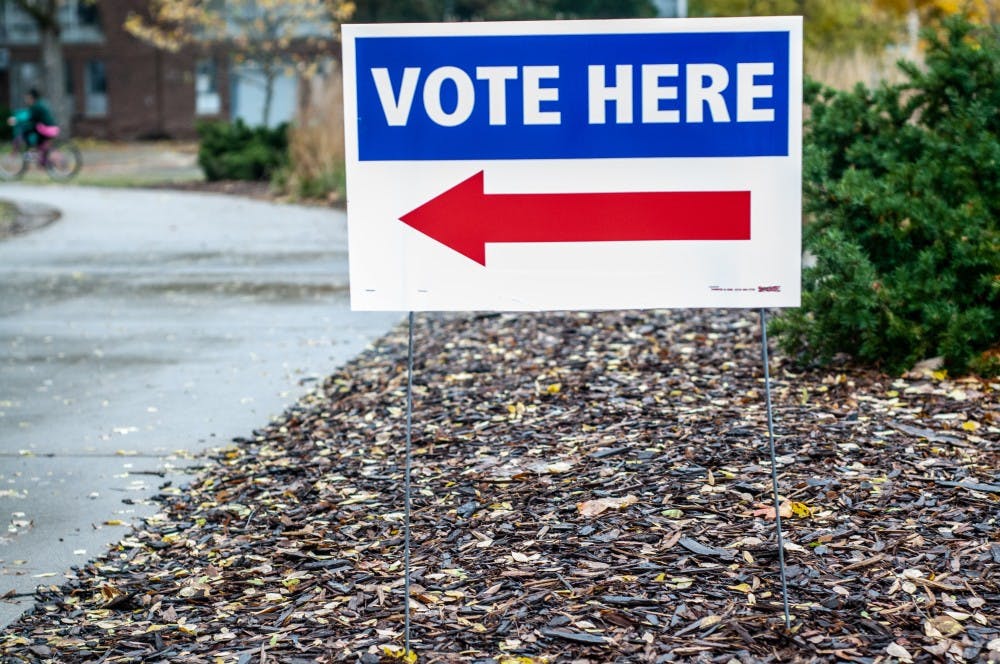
x: 288, y: 548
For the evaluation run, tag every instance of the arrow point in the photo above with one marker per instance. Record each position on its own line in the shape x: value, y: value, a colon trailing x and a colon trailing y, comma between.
x: 451, y: 218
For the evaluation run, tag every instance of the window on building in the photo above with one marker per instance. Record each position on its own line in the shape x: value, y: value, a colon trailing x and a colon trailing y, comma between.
x: 206, y: 85
x: 79, y: 23
x: 95, y: 89
x: 88, y: 13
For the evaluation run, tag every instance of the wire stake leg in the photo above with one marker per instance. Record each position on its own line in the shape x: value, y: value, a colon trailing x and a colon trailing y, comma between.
x: 774, y: 468
x: 406, y: 487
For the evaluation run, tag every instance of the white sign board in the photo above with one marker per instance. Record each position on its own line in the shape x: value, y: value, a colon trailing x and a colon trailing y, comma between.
x: 574, y: 164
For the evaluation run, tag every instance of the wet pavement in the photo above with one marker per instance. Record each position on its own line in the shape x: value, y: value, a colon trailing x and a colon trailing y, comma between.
x: 142, y: 328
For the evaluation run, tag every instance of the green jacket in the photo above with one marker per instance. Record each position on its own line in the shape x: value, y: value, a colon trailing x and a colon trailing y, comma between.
x: 41, y: 114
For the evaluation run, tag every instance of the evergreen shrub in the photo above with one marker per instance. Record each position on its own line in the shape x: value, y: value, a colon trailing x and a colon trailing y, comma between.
x: 901, y: 197
x: 234, y: 151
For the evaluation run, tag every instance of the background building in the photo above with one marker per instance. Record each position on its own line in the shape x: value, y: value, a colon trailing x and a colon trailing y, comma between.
x: 121, y: 88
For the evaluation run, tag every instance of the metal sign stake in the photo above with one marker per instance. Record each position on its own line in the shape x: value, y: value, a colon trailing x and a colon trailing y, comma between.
x: 406, y: 489
x: 774, y: 468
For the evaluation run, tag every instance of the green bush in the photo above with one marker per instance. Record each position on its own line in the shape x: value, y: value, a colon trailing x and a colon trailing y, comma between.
x: 234, y: 151
x: 902, y: 196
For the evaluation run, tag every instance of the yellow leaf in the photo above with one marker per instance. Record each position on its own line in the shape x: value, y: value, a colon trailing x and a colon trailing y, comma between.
x: 517, y: 660
x: 114, y: 522
x: 940, y: 375
x: 554, y: 388
x: 660, y: 578
x: 395, y: 652
x: 741, y: 587
x: 969, y: 425
x: 801, y: 510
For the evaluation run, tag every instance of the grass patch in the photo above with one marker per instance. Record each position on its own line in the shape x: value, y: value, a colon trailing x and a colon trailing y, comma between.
x: 8, y: 213
x: 114, y: 180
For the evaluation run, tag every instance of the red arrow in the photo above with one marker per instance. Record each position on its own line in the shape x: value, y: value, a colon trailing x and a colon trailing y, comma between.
x: 466, y: 219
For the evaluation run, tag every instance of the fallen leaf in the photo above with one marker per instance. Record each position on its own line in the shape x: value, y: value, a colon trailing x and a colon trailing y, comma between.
x: 599, y: 505
x: 943, y: 625
x: 898, y: 651
x: 709, y: 621
x: 396, y: 652
x: 555, y: 468
x: 800, y: 510
x: 767, y: 511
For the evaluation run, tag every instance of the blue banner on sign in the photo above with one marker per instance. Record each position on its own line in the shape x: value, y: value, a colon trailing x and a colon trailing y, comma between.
x: 573, y: 96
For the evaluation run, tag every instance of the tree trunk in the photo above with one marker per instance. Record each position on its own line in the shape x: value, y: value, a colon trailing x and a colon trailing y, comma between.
x: 270, y: 74
x: 54, y: 74
x: 46, y: 16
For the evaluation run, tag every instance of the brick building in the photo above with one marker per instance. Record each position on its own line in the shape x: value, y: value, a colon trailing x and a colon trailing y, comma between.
x: 118, y: 86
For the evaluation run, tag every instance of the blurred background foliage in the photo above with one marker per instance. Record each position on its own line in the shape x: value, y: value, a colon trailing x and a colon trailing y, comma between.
x: 386, y: 11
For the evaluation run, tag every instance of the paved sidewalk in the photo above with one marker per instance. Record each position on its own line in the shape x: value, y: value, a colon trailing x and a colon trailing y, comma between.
x: 142, y: 327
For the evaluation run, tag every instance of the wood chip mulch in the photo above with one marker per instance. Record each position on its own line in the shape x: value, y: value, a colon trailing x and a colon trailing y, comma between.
x: 588, y: 488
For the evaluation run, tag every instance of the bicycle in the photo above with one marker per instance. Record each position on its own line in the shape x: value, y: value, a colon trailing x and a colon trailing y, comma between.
x: 60, y: 158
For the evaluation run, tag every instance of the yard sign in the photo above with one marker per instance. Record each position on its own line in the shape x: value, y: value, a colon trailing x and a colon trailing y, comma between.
x: 574, y: 164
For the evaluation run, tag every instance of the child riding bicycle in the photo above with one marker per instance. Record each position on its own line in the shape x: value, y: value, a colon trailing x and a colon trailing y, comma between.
x: 35, y: 124
x: 37, y: 140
